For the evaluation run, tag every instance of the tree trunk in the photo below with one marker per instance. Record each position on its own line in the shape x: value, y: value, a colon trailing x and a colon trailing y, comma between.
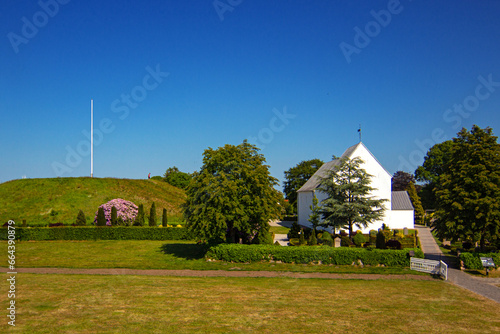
x: 350, y: 230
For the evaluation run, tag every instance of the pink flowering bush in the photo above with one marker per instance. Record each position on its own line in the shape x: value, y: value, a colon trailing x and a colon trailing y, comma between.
x: 125, y: 209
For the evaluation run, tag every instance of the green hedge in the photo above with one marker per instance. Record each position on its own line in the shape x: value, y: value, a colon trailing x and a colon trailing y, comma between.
x: 102, y: 233
x: 473, y: 261
x: 325, y: 254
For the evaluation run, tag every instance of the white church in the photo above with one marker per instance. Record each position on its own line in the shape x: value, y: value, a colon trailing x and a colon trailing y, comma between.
x: 399, y: 212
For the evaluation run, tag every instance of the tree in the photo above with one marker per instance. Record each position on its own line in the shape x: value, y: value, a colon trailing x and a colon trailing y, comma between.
x: 315, y: 216
x: 348, y: 203
x: 114, y: 216
x: 296, y: 176
x: 400, y: 180
x: 152, y: 215
x: 468, y: 188
x: 139, y: 219
x: 434, y: 161
x: 164, y: 218
x: 417, y: 205
x: 80, y: 219
x: 233, y: 196
x: 101, y: 218
x: 176, y: 178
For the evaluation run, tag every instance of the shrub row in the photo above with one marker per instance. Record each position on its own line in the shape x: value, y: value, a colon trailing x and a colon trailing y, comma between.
x: 102, y: 233
x: 325, y: 254
x: 473, y: 261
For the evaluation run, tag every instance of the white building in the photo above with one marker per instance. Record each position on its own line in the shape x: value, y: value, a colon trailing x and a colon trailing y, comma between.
x: 399, y: 212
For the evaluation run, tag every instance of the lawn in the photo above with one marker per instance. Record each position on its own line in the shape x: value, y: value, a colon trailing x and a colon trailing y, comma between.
x: 156, y: 304
x: 279, y: 229
x: 140, y: 254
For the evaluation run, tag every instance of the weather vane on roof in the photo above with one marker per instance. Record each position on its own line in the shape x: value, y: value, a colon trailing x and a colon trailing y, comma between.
x: 359, y: 131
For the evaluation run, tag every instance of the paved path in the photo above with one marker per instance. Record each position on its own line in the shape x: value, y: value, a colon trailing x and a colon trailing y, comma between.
x: 482, y: 286
x: 281, y: 238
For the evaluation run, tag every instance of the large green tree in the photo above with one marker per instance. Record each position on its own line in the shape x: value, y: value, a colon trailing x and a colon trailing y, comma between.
x: 348, y: 201
x: 468, y: 188
x: 175, y: 177
x: 296, y: 176
x: 434, y: 161
x: 233, y: 196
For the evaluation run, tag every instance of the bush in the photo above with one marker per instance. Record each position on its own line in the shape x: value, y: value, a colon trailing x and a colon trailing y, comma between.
x: 302, y: 240
x: 164, y: 218
x: 373, y: 233
x: 152, y: 215
x: 264, y: 238
x: 114, y: 216
x: 380, y: 241
x: 327, y: 238
x: 125, y: 209
x: 101, y: 218
x: 312, y: 239
x: 327, y: 255
x: 345, y: 241
x: 93, y: 233
x: 473, y: 260
x: 139, y: 219
x: 80, y: 219
x: 393, y: 244
x: 359, y: 239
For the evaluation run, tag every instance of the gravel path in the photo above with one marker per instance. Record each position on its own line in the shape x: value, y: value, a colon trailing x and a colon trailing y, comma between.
x: 486, y: 287
x: 232, y: 272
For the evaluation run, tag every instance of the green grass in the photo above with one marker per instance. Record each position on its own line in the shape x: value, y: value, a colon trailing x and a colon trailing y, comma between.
x: 156, y: 304
x: 143, y: 254
x: 279, y: 229
x: 43, y: 201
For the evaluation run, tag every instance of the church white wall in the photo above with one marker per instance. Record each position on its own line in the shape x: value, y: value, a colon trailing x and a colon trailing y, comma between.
x: 401, y: 219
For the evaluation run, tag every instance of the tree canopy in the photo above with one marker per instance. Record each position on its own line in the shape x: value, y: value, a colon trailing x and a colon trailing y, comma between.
x: 296, y: 176
x: 468, y: 188
x: 175, y: 177
x: 401, y: 180
x: 233, y: 196
x: 349, y: 203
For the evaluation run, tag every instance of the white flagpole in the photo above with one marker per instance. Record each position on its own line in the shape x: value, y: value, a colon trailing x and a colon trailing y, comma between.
x: 91, y: 138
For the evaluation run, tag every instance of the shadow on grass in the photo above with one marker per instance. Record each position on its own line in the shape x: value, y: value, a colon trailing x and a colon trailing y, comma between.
x: 185, y: 251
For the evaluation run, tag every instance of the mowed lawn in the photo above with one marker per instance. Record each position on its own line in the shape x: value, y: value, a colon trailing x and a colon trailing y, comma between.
x: 156, y: 304
x: 145, y: 254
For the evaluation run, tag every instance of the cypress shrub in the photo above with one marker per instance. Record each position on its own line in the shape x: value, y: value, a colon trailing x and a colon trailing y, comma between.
x: 164, y: 219
x: 312, y: 239
x: 114, y: 216
x: 101, y: 218
x: 152, y: 215
x: 302, y: 240
x: 380, y: 242
x: 80, y: 219
x: 139, y: 219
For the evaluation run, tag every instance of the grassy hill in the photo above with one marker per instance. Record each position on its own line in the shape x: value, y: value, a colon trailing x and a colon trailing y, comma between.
x: 43, y: 201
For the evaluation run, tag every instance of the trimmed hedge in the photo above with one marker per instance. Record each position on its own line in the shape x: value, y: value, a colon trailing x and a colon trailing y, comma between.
x: 473, y: 261
x: 102, y: 233
x: 325, y: 254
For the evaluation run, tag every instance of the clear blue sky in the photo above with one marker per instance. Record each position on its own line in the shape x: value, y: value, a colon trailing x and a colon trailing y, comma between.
x: 294, y: 77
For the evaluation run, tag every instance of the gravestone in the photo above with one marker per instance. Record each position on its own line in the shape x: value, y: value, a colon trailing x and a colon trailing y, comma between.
x: 337, y: 242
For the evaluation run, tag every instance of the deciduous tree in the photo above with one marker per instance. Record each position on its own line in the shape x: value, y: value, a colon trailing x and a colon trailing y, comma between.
x: 401, y: 180
x: 296, y: 176
x: 468, y: 188
x: 233, y: 196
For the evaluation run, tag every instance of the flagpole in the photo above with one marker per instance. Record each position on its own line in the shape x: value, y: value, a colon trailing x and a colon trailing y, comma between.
x: 91, y: 138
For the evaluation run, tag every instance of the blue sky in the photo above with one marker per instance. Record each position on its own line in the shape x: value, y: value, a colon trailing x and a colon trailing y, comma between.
x: 172, y: 78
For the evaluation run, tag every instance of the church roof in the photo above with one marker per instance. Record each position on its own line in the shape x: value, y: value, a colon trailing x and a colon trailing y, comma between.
x: 400, y: 200
x: 322, y: 172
